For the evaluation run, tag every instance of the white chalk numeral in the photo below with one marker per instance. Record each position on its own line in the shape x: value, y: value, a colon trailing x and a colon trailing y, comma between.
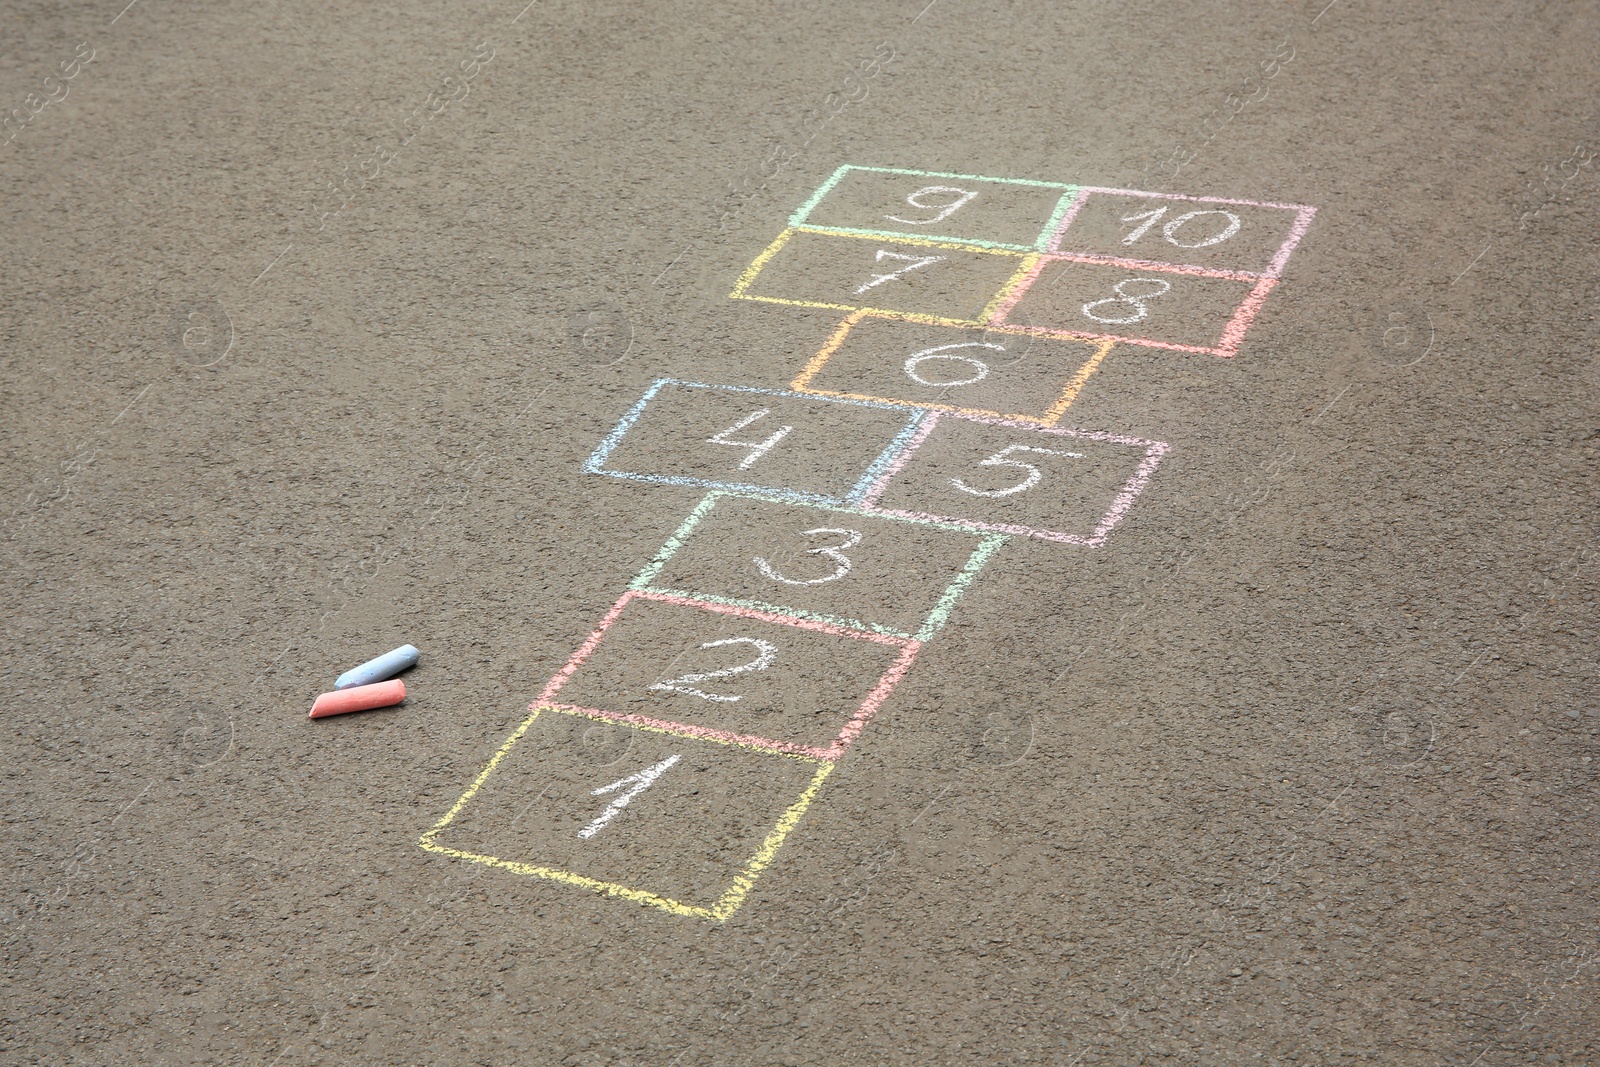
x: 1134, y: 300
x: 1150, y: 218
x: 757, y: 448
x: 916, y: 263
x: 1170, y: 230
x: 945, y: 210
x: 999, y: 459
x: 634, y: 784
x: 852, y: 538
x: 980, y: 369
x: 766, y: 652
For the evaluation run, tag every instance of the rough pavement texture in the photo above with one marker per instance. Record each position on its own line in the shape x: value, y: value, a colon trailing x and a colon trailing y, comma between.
x: 312, y: 314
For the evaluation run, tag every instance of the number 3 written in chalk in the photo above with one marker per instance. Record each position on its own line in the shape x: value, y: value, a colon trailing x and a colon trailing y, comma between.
x: 842, y: 562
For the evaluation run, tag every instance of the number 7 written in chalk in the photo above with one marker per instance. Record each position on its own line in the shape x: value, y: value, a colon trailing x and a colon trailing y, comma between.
x: 916, y: 263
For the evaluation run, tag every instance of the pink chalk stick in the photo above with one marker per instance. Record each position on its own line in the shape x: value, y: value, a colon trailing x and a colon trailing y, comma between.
x: 359, y: 698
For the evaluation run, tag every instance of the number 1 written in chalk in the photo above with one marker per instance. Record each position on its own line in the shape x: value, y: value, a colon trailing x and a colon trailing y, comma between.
x: 630, y: 787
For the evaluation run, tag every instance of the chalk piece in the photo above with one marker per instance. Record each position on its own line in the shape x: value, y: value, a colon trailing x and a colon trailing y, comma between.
x: 359, y: 698
x: 376, y: 670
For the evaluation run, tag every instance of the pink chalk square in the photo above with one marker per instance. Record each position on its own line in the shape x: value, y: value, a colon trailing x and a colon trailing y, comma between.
x: 1115, y: 300
x: 1072, y: 486
x: 732, y: 674
x: 1244, y: 237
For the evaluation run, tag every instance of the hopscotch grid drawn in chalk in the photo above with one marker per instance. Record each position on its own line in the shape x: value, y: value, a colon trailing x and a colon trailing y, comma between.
x: 766, y: 746
x: 596, y: 463
x: 1049, y: 417
x: 921, y: 242
x: 1233, y: 333
x: 1053, y: 227
x: 840, y: 621
x: 1280, y: 258
x: 1229, y: 338
x: 746, y: 879
x: 1026, y: 269
x: 780, y: 618
x: 742, y: 285
x: 1119, y: 506
x: 741, y: 288
x: 1156, y: 266
x: 987, y: 544
x: 770, y: 746
x: 885, y: 458
x: 1159, y: 265
x: 908, y: 646
x: 666, y: 728
x: 710, y: 499
x: 610, y: 889
x: 900, y: 237
x: 728, y: 903
x: 980, y: 557
x: 799, y: 220
x: 1181, y: 228
x: 1049, y: 244
x: 837, y: 176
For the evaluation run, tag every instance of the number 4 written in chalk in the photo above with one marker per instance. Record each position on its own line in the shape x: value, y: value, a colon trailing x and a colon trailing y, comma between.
x: 757, y: 449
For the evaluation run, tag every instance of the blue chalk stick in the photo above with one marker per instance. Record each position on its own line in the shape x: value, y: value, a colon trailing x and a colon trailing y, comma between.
x: 376, y: 670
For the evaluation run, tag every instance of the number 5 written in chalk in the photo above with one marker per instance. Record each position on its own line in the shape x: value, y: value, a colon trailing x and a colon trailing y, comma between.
x: 1000, y: 459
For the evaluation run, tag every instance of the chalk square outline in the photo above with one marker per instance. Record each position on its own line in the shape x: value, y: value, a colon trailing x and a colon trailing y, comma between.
x: 1051, y: 416
x: 726, y: 905
x: 891, y: 677
x: 988, y: 544
x: 1120, y: 505
x: 1069, y: 193
x: 742, y: 286
x: 1303, y: 215
x: 1228, y: 342
x: 595, y: 464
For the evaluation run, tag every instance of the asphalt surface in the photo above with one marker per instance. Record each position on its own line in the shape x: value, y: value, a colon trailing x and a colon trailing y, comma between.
x: 1269, y: 740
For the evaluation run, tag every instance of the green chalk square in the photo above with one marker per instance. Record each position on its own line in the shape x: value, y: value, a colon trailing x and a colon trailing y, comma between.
x: 909, y: 597
x: 1046, y: 201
